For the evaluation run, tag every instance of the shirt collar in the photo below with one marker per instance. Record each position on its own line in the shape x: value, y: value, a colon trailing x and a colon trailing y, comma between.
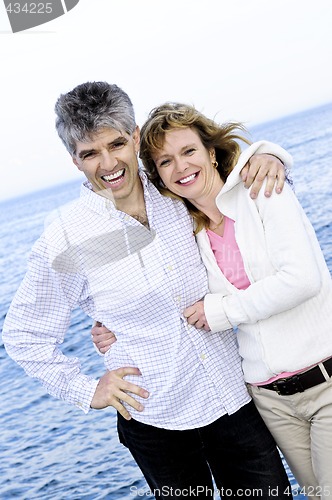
x: 99, y: 203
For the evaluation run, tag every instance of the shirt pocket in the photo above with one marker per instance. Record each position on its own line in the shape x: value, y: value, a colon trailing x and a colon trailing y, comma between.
x: 132, y: 272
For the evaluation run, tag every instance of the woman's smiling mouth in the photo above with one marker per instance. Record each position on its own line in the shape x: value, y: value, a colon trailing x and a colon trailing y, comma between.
x: 188, y: 179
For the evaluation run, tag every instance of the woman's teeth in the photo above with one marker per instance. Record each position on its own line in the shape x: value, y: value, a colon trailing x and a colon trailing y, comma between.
x: 187, y: 179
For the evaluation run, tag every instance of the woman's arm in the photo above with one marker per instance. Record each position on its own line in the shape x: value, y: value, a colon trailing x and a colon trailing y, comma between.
x: 290, y: 240
x: 261, y: 169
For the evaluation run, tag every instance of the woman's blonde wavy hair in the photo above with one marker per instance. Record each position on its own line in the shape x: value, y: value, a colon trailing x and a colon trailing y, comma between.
x: 222, y: 138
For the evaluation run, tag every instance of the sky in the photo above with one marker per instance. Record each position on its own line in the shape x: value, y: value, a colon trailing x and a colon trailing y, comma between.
x: 245, y: 60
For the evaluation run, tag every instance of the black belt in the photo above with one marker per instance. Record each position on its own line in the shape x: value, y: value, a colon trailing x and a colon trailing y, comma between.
x: 301, y: 381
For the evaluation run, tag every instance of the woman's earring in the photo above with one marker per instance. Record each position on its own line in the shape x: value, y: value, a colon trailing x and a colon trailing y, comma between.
x: 215, y: 164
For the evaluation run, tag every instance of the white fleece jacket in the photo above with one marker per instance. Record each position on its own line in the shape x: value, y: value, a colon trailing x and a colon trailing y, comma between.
x: 284, y: 318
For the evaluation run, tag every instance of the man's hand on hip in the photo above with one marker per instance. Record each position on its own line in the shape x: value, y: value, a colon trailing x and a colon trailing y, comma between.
x: 112, y: 390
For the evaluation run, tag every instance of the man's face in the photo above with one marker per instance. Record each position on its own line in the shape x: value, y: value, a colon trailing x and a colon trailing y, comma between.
x: 109, y: 162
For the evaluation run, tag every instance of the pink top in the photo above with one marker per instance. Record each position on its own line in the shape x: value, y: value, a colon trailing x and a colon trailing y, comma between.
x: 228, y: 256
x: 229, y: 260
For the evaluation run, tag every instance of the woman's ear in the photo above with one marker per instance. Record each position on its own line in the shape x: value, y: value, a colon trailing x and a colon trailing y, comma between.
x: 212, y: 153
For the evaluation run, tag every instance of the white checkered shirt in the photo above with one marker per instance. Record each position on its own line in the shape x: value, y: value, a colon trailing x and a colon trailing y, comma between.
x: 137, y: 282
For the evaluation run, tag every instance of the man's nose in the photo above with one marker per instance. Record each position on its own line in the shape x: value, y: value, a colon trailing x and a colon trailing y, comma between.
x: 108, y: 160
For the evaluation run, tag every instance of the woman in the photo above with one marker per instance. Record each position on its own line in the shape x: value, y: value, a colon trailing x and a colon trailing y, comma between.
x: 267, y: 278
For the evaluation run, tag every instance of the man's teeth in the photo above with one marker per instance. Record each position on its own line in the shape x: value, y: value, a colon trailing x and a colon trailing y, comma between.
x: 187, y: 179
x: 113, y: 177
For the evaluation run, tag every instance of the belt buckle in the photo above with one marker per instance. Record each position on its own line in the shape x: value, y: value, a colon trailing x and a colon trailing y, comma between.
x: 288, y: 386
x: 276, y: 384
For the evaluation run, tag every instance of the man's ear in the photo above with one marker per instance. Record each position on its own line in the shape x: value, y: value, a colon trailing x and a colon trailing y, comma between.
x: 136, y: 137
x: 74, y: 160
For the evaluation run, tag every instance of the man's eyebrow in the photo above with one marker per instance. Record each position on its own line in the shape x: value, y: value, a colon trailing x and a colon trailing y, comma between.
x: 84, y: 152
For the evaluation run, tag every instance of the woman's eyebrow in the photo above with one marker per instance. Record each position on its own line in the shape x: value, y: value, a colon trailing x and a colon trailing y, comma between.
x: 187, y: 146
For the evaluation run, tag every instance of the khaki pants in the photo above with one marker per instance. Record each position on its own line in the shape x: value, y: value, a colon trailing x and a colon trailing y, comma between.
x: 302, y: 427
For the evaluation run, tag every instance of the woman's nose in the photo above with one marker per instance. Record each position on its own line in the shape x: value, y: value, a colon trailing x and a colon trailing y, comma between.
x: 181, y: 165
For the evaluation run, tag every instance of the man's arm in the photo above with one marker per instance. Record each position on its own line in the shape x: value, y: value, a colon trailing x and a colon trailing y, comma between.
x: 112, y: 390
x: 265, y: 160
x: 35, y: 326
x: 260, y: 166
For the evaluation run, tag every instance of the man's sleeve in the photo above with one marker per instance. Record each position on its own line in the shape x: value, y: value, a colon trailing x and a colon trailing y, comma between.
x: 35, y: 326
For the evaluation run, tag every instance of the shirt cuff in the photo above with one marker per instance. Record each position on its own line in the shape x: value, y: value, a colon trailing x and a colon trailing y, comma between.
x: 215, y: 314
x: 82, y: 390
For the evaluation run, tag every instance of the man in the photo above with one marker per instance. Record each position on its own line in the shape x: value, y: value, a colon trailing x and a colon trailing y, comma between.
x: 127, y: 256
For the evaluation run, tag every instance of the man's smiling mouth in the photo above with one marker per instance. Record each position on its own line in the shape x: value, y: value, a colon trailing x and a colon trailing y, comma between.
x: 114, y: 178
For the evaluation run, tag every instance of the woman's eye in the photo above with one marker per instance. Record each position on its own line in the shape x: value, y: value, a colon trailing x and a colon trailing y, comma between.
x: 164, y: 163
x: 190, y: 151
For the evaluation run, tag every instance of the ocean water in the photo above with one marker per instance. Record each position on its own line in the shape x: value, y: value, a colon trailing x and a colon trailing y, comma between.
x: 52, y: 451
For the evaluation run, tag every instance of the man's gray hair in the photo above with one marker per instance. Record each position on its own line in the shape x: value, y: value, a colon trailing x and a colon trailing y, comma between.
x: 90, y: 107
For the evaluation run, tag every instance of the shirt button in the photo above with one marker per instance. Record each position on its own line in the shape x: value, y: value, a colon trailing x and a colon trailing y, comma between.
x: 169, y: 267
x: 203, y: 356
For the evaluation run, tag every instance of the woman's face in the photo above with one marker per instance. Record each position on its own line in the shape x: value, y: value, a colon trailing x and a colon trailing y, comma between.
x: 185, y: 165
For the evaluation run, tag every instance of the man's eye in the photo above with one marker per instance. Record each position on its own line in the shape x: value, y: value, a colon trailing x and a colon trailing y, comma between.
x: 88, y: 156
x: 118, y: 144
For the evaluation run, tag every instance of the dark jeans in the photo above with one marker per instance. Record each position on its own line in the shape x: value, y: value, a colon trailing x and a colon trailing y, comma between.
x: 238, y: 450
